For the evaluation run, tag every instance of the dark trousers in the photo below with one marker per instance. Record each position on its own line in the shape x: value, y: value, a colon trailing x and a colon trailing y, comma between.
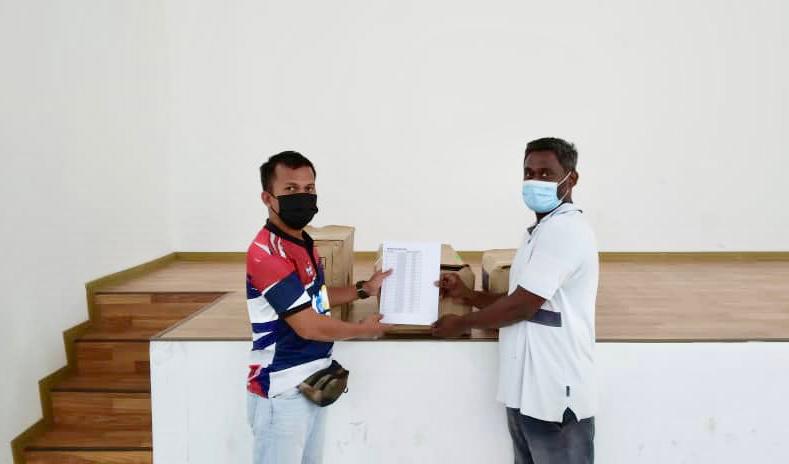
x: 538, y: 442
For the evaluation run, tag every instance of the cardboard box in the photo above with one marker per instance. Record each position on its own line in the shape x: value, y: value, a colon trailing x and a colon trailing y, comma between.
x: 335, y: 248
x: 450, y: 262
x: 496, y: 270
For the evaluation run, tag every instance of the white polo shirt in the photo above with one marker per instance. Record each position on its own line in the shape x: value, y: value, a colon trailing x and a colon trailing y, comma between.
x: 546, y: 364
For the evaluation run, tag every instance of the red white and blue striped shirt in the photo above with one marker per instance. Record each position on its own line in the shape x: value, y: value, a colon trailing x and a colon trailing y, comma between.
x: 283, y: 277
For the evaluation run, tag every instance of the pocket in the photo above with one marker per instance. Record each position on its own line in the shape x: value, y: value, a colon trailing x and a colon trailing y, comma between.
x: 251, y: 408
x: 258, y: 413
x: 289, y: 394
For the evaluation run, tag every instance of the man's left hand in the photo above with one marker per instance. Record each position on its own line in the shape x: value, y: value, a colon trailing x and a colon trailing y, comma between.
x: 373, y: 286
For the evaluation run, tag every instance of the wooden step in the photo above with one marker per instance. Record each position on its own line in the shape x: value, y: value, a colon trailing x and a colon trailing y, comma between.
x: 82, y: 439
x: 112, y: 357
x: 117, y: 383
x: 160, y: 297
x: 153, y: 316
x: 101, y: 410
x: 100, y: 333
x: 89, y: 457
x: 148, y: 310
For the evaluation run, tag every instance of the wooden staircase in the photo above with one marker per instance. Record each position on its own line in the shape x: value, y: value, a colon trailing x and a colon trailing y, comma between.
x: 100, y: 411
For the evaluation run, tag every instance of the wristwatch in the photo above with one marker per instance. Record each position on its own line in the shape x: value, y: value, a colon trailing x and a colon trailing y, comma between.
x: 360, y: 290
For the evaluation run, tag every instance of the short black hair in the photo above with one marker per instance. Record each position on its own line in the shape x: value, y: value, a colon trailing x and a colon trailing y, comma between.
x: 291, y: 159
x: 565, y: 151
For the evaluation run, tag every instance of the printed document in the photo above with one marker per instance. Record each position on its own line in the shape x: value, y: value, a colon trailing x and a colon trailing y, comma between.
x: 409, y: 295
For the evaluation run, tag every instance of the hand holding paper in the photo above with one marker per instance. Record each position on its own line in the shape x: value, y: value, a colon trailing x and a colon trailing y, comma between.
x: 373, y: 285
x: 449, y: 326
x: 451, y: 286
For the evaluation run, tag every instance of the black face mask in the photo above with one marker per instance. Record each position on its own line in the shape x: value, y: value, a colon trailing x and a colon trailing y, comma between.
x: 298, y: 209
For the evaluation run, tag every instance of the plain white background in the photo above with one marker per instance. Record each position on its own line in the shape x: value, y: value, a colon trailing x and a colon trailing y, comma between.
x: 417, y: 113
x: 132, y: 129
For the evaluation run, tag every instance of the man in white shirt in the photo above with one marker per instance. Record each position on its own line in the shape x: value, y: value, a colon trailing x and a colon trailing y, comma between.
x: 547, y: 336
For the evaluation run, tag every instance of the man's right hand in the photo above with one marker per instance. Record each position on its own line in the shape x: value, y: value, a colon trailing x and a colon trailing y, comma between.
x: 372, y: 327
x: 451, y: 286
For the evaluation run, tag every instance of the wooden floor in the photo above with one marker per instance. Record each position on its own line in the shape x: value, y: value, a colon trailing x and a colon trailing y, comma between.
x: 678, y: 299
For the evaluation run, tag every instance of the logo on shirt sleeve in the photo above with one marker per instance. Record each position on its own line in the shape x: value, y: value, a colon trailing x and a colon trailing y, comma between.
x: 321, y: 301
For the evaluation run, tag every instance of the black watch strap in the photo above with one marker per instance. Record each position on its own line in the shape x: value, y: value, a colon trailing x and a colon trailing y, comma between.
x: 360, y: 291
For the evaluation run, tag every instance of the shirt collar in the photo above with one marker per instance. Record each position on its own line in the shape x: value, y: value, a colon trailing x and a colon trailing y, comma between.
x: 561, y: 209
x: 305, y: 242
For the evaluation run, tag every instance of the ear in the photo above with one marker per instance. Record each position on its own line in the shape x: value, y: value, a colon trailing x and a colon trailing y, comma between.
x: 570, y: 183
x: 267, y: 198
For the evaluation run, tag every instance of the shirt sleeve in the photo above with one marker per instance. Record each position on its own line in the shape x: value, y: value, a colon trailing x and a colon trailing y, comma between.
x: 554, y: 258
x: 278, y: 282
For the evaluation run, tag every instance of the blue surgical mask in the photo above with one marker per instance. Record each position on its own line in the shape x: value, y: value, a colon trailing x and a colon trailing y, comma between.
x: 541, y: 196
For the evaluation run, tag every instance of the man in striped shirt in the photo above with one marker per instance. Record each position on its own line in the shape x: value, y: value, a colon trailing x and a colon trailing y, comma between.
x: 288, y: 305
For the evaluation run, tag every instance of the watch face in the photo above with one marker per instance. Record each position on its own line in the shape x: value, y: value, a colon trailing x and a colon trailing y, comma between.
x: 360, y: 290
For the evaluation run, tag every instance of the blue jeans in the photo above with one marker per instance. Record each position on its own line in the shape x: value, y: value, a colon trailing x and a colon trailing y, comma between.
x: 286, y: 429
x: 538, y: 442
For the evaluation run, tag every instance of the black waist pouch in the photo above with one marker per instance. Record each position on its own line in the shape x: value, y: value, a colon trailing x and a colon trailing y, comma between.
x: 325, y: 386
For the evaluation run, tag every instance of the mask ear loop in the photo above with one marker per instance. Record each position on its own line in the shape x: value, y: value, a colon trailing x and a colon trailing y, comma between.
x: 560, y: 183
x: 272, y: 208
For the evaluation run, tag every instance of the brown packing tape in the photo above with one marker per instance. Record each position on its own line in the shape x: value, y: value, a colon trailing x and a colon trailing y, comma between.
x: 335, y: 248
x: 450, y: 262
x: 496, y: 270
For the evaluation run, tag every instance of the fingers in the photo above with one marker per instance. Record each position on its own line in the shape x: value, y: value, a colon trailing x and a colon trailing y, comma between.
x: 437, y: 323
x: 380, y: 275
x: 372, y: 319
x: 444, y: 284
x: 446, y: 280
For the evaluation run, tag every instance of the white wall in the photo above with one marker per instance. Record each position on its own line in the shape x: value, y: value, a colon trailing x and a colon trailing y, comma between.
x: 82, y: 179
x: 417, y: 114
x: 659, y: 403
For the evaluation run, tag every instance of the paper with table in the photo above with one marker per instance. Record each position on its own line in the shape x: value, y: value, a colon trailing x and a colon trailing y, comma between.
x: 409, y: 295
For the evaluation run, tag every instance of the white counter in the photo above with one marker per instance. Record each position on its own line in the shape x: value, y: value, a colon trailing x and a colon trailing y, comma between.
x: 434, y: 402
